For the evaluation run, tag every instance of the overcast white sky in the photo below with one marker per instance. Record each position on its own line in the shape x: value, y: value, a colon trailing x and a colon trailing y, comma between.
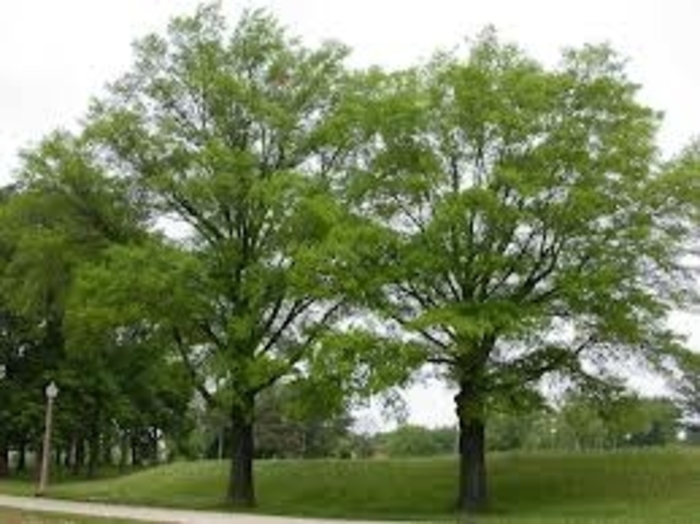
x: 55, y: 54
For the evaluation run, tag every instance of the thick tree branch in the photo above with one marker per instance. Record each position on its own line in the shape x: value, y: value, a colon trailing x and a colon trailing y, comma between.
x: 528, y: 369
x: 301, y: 347
x: 192, y: 370
x: 208, y: 331
x: 196, y: 218
x: 297, y: 308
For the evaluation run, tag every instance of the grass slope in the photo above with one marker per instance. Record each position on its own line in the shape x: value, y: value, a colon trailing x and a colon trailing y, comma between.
x: 630, y: 486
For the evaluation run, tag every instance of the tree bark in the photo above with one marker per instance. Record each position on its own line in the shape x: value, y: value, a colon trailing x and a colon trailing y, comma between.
x: 241, y: 490
x: 473, y: 495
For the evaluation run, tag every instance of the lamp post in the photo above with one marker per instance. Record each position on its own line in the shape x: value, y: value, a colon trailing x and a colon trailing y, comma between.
x: 51, y: 394
x: 4, y: 451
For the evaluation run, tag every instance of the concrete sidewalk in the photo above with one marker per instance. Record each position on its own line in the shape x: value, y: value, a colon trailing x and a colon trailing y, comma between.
x: 161, y: 515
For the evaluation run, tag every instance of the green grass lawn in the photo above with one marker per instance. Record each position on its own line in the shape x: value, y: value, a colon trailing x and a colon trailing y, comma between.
x: 657, y: 485
x: 11, y: 516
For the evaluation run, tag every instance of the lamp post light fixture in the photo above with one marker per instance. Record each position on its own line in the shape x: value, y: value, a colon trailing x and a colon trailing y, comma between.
x: 51, y: 394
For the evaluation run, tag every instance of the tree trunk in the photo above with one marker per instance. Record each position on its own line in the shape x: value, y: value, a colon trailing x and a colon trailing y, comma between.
x: 472, y: 496
x: 94, y: 454
x: 22, y: 457
x: 123, y: 450
x: 153, y: 440
x: 135, y: 449
x: 4, y: 460
x: 107, y: 449
x: 220, y: 451
x: 241, y: 492
x: 79, y: 457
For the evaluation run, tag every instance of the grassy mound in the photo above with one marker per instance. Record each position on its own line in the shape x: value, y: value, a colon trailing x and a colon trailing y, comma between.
x: 631, y: 486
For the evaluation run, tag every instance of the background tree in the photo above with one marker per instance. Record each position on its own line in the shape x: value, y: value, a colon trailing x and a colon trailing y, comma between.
x: 687, y: 388
x: 62, y: 213
x: 287, y: 426
x: 523, y: 226
x: 519, y: 430
x: 417, y: 441
x: 612, y: 421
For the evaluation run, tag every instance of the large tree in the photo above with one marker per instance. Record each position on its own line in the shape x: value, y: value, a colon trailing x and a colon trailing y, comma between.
x: 523, y: 226
x: 232, y: 137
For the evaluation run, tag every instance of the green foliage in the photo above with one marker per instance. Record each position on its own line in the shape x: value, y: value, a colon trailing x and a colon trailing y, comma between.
x: 688, y: 386
x: 417, y: 441
x: 585, y: 422
x: 524, y: 220
x: 287, y: 425
x: 286, y: 428
x: 509, y: 431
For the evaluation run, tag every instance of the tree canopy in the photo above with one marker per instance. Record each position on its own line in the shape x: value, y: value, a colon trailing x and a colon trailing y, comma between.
x: 525, y: 225
x: 232, y: 136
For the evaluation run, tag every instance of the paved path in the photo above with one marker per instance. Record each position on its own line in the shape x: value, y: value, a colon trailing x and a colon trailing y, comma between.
x: 161, y: 515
